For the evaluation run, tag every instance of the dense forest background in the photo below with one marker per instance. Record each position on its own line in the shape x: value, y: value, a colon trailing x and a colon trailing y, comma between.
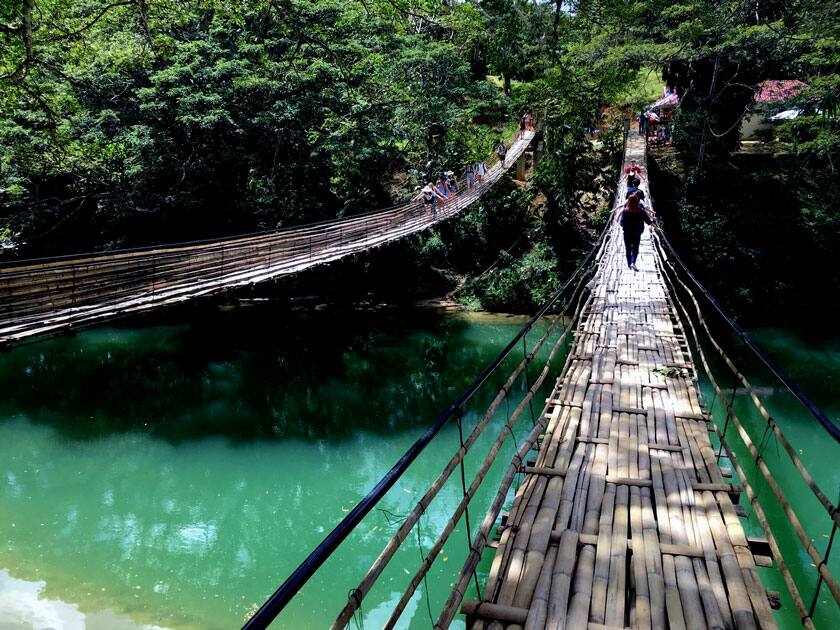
x: 145, y: 121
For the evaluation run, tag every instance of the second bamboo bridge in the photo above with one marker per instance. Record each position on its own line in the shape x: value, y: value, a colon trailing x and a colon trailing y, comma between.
x: 58, y: 295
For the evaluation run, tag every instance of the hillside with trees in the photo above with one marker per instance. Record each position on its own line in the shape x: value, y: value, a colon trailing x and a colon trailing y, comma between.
x: 137, y: 122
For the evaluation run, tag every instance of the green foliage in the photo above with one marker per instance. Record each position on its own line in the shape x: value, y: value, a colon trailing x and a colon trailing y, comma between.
x: 139, y: 122
x: 211, y: 118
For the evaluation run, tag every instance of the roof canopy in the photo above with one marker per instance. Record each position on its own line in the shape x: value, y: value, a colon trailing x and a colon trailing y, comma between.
x: 774, y: 91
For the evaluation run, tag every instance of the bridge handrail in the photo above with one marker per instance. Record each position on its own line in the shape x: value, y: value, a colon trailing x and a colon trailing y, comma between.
x: 832, y: 429
x: 824, y: 575
x: 298, y: 578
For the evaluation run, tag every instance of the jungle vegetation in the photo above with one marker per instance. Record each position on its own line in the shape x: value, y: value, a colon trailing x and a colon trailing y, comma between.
x: 132, y: 122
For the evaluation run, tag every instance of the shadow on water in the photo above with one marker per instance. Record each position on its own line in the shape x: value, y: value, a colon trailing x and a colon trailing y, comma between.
x: 249, y: 373
x: 177, y: 474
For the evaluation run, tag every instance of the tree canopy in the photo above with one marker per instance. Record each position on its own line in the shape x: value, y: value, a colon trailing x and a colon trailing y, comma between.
x: 142, y: 121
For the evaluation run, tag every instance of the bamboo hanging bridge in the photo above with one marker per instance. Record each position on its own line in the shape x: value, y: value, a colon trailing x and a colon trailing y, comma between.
x: 622, y: 517
x: 58, y: 295
x: 619, y: 514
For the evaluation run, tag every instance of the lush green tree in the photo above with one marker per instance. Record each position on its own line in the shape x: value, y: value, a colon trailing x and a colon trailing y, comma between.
x: 135, y: 123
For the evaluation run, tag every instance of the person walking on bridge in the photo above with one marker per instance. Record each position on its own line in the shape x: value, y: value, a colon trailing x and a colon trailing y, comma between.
x: 501, y: 151
x: 633, y: 169
x: 633, y: 220
x: 480, y: 171
x: 430, y: 197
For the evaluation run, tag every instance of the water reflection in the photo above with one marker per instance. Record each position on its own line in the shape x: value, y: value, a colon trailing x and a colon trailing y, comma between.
x: 23, y: 606
x: 195, y: 530
x: 248, y: 373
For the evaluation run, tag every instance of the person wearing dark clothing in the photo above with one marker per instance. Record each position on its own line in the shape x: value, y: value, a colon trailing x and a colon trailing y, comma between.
x: 633, y: 189
x: 633, y: 220
x: 642, y: 124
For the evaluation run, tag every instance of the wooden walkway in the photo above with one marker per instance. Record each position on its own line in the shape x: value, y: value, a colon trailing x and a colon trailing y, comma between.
x: 55, y: 295
x: 625, y: 519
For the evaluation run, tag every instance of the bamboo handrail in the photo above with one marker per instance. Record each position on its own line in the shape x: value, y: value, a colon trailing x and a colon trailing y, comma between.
x: 479, y: 477
x: 830, y: 509
x: 767, y: 475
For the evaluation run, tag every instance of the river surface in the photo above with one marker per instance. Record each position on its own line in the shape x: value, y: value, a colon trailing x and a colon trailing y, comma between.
x: 812, y: 359
x: 171, y: 476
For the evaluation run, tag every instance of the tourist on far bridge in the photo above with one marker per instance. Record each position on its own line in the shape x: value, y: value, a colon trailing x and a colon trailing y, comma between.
x: 451, y: 183
x: 633, y: 189
x: 442, y: 189
x: 642, y: 124
x: 633, y: 169
x: 633, y: 220
x: 523, y: 125
x: 480, y: 171
x: 430, y: 197
x: 529, y: 121
x: 501, y: 151
x: 469, y: 175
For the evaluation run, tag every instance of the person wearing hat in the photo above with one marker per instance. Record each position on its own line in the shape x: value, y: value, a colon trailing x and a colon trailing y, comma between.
x: 430, y: 197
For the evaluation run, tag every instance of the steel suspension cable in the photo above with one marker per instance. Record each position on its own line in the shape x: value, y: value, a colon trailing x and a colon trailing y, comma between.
x: 777, y: 371
x: 284, y: 594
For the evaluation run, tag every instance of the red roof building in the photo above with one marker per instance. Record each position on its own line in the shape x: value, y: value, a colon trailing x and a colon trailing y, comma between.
x: 774, y: 91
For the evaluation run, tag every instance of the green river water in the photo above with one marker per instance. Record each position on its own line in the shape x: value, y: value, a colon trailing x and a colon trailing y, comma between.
x: 172, y: 475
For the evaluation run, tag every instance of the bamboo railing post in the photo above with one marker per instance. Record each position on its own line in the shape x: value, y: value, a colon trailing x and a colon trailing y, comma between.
x: 460, y: 420
x: 527, y: 380
x: 819, y: 574
x: 728, y: 418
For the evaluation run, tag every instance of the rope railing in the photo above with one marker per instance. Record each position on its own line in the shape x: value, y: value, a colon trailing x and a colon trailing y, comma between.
x: 48, y: 296
x: 275, y: 604
x: 669, y: 271
x: 832, y: 429
x: 482, y: 537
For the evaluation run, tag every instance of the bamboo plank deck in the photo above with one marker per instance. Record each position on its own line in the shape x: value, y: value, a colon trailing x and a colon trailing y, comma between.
x: 51, y: 296
x: 625, y: 519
